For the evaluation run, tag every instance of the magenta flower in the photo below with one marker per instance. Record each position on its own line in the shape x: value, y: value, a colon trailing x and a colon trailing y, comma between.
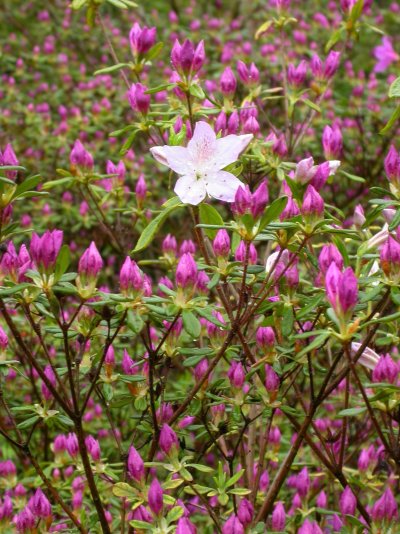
x: 200, y: 164
x: 385, y: 54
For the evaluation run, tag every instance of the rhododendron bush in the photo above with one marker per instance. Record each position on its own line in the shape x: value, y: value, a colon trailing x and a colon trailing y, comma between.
x: 199, y: 266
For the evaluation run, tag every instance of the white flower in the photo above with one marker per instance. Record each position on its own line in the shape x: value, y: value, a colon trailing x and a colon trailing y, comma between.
x: 272, y: 258
x: 334, y: 164
x: 378, y: 239
x: 200, y: 164
x: 369, y: 358
x: 305, y: 169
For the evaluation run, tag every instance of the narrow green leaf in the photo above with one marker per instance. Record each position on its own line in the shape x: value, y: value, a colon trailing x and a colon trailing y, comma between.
x: 151, y: 229
x: 311, y: 105
x: 112, y: 68
x: 391, y: 121
x: 273, y: 211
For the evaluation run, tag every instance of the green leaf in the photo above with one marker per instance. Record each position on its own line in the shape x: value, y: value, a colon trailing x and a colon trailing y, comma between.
x: 287, y: 320
x: 273, y: 211
x: 159, y: 88
x: 263, y: 28
x: 394, y: 89
x: 61, y: 181
x: 395, y: 115
x: 311, y: 105
x: 209, y: 215
x: 239, y: 491
x: 28, y: 422
x: 63, y: 261
x: 191, y: 324
x: 336, y: 36
x: 348, y: 412
x: 317, y: 342
x: 141, y: 525
x: 112, y: 68
x: 154, y: 51
x: 174, y: 514
x: 122, y: 489
x: 202, y: 468
x: 353, y: 177
x: 197, y: 91
x: 77, y: 4
x: 231, y: 481
x: 28, y: 184
x: 152, y: 228
x: 356, y: 11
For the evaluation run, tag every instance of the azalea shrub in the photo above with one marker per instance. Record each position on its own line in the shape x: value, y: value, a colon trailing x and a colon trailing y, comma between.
x: 200, y: 266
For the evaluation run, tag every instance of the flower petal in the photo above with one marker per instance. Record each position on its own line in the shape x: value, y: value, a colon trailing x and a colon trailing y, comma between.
x: 175, y: 157
x: 223, y: 186
x: 202, y: 145
x: 230, y: 147
x: 334, y: 164
x: 190, y: 190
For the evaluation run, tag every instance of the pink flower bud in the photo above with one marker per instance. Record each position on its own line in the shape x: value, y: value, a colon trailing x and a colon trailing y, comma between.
x: 265, y: 337
x: 222, y: 244
x: 186, y: 271
x: 141, y: 189
x: 44, y: 250
x: 278, y: 518
x: 233, y: 526
x: 9, y: 159
x: 237, y: 375
x: 90, y: 263
x: 141, y: 39
x: 135, y: 465
x: 40, y: 505
x: 130, y: 277
x: 245, y: 512
x: 259, y: 200
x: 233, y: 123
x: 385, y: 508
x: 329, y: 253
x: 332, y: 142
x: 390, y: 257
x: 228, y: 82
x: 80, y: 157
x: 155, y: 497
x: 359, y: 217
x: 297, y: 75
x: 110, y: 356
x: 313, y: 204
x: 3, y: 339
x: 169, y: 245
x: 138, y: 99
x: 48, y: 371
x: 72, y: 445
x: 347, y: 502
x: 168, y: 440
x: 25, y: 520
x: 272, y: 381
